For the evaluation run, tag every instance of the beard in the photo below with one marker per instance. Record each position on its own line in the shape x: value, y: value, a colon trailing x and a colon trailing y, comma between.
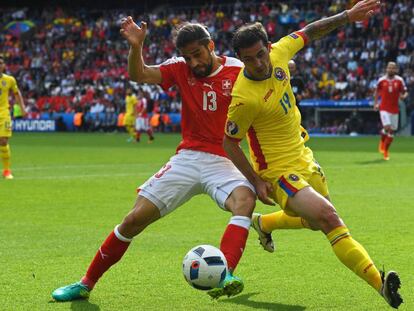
x: 207, y: 69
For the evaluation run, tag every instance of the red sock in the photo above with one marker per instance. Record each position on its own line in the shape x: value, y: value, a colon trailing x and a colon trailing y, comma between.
x: 108, y: 254
x: 233, y: 243
x: 383, y: 137
x: 149, y: 132
x: 387, y: 142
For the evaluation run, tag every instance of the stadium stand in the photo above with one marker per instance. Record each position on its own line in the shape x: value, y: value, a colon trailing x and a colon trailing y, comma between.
x: 74, y: 60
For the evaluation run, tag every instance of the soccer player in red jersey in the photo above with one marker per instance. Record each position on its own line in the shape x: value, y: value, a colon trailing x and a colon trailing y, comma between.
x: 200, y: 165
x: 142, y: 122
x: 390, y: 88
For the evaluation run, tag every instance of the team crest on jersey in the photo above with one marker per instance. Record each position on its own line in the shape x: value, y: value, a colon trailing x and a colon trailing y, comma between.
x: 226, y: 85
x: 232, y: 128
x: 280, y: 74
x: 293, y: 177
x: 3, y: 83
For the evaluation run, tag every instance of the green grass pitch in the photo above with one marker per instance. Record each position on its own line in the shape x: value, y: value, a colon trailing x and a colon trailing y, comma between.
x: 70, y: 190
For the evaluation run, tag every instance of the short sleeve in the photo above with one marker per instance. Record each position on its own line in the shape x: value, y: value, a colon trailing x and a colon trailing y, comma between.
x: 240, y: 117
x: 13, y: 85
x: 169, y: 69
x: 379, y: 84
x: 289, y: 45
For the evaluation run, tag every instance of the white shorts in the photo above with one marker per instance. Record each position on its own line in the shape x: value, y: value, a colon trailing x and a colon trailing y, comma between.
x: 190, y: 173
x: 389, y: 119
x: 142, y: 124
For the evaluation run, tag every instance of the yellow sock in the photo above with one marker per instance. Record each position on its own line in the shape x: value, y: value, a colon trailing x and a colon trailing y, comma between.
x: 5, y: 156
x: 280, y: 220
x: 354, y: 256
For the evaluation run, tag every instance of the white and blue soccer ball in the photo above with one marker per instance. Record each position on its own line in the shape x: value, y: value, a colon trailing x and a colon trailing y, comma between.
x: 204, y: 267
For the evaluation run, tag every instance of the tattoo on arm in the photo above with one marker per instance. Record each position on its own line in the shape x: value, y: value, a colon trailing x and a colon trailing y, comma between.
x: 321, y: 28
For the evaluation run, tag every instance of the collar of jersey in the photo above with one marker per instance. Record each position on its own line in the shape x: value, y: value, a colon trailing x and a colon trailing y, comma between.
x: 215, y: 71
x: 253, y: 79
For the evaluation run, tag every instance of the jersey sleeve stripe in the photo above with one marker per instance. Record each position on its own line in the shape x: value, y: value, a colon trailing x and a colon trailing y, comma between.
x: 257, y: 149
x: 304, y: 36
x: 287, y: 187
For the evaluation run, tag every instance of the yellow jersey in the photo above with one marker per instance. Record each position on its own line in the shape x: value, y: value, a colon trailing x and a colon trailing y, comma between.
x: 130, y: 102
x: 266, y: 113
x: 7, y: 83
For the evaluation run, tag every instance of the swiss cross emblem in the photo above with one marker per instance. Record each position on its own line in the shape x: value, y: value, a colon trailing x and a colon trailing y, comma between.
x: 226, y: 84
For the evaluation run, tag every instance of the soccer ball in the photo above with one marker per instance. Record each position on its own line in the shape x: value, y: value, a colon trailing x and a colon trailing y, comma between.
x: 204, y: 267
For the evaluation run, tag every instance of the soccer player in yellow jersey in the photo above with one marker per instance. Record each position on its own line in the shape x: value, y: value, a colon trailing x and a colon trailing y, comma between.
x: 263, y: 108
x: 7, y: 84
x: 130, y: 114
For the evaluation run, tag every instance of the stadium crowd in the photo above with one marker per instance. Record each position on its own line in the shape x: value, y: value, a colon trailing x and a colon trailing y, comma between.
x: 72, y: 60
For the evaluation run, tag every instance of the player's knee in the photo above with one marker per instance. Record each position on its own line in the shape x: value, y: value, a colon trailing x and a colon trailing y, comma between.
x: 137, y: 220
x: 329, y: 219
x: 243, y: 203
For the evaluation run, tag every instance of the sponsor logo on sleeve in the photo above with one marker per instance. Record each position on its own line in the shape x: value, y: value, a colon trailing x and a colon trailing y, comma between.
x: 294, y: 36
x: 232, y: 128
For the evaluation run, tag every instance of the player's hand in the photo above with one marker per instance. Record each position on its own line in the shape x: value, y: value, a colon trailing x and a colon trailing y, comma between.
x: 263, y: 190
x: 404, y: 95
x: 134, y: 34
x: 363, y: 10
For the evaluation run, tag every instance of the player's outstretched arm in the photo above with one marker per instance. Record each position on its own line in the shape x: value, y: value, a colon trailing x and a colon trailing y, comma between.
x: 137, y: 69
x: 359, y: 12
x: 236, y: 155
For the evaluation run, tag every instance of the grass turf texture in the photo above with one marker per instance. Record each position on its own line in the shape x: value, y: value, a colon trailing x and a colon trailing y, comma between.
x: 70, y: 190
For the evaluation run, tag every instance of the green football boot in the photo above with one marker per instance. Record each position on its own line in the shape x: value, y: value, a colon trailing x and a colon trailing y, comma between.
x: 230, y: 286
x: 71, y: 292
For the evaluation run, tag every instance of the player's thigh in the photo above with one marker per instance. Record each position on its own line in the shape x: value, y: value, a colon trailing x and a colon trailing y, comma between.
x: 241, y: 201
x: 394, y: 121
x: 312, y: 206
x: 385, y: 117
x: 292, y: 182
x: 286, y: 186
x: 129, y: 121
x: 224, y: 183
x: 5, y: 129
x: 144, y: 213
x: 174, y: 184
x: 139, y: 124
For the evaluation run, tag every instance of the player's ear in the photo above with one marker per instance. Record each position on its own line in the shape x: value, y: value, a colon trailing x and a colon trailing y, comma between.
x: 269, y: 45
x: 211, y: 46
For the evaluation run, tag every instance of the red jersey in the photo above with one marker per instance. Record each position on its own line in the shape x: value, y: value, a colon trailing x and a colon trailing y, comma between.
x: 390, y: 90
x: 141, y: 108
x: 204, y: 102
